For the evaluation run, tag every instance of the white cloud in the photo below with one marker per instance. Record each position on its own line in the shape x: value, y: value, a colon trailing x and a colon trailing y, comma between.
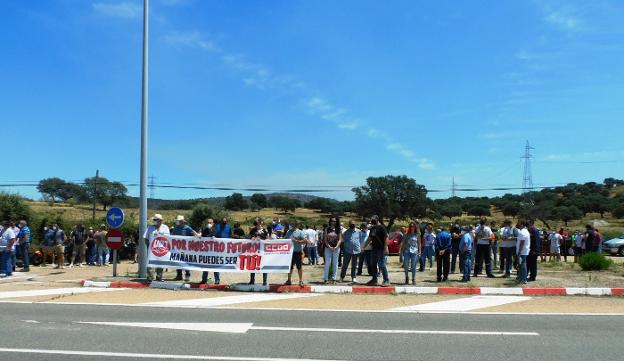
x: 327, y: 111
x: 125, y: 10
x: 261, y: 77
x: 193, y: 39
x: 563, y: 20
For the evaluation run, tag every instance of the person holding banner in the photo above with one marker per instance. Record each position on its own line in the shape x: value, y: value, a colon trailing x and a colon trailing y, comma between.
x: 156, y: 228
x: 222, y: 230
x: 299, y: 240
x: 209, y: 231
x: 183, y: 229
x: 258, y: 232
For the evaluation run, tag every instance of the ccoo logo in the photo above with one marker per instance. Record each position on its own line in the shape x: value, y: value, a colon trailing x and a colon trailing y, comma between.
x: 160, y: 246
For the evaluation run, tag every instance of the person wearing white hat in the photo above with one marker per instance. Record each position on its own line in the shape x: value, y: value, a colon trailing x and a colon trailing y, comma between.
x: 183, y: 229
x: 156, y: 228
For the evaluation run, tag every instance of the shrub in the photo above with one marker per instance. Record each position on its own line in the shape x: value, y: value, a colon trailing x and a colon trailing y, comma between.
x: 594, y: 261
x: 13, y: 207
x: 203, y: 211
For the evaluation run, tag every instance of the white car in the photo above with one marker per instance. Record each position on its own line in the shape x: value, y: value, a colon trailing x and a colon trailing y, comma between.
x: 614, y: 246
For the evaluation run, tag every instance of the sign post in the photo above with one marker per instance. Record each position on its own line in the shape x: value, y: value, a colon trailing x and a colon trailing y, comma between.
x: 114, y: 237
x: 114, y: 241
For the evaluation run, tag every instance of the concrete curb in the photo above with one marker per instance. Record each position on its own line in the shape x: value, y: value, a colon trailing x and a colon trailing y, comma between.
x: 242, y: 287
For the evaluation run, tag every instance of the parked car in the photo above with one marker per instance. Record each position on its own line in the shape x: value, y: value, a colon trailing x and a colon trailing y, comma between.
x: 394, y: 242
x: 614, y: 246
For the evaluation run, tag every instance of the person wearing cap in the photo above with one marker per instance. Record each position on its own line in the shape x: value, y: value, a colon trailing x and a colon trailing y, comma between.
x: 156, y: 228
x: 183, y: 229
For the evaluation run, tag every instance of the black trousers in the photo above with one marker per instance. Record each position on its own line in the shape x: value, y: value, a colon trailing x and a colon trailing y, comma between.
x: 365, y: 257
x: 454, y: 256
x: 532, y: 265
x: 442, y: 263
x: 484, y: 254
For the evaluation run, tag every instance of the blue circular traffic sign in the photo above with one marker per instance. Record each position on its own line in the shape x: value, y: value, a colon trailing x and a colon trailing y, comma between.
x: 115, y: 217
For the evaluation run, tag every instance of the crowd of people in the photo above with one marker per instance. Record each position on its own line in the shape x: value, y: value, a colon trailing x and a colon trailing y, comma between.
x: 469, y: 248
x: 364, y: 246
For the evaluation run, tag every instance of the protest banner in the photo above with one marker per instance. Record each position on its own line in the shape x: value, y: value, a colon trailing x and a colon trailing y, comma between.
x: 220, y: 254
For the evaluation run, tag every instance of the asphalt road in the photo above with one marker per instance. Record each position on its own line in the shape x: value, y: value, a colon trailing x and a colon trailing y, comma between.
x: 28, y: 329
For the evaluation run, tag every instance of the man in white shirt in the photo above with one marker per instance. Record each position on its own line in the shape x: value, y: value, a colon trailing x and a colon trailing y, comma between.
x: 508, y: 247
x: 523, y: 247
x: 7, y: 240
x: 484, y: 249
x: 312, y: 238
x: 555, y: 246
x: 579, y: 246
x: 156, y: 228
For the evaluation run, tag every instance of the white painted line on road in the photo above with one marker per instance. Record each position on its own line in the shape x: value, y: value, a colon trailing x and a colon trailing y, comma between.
x: 186, y: 326
x: 55, y: 292
x: 418, y: 332
x: 298, y: 309
x: 465, y: 304
x: 149, y: 355
x: 230, y: 300
x: 244, y: 327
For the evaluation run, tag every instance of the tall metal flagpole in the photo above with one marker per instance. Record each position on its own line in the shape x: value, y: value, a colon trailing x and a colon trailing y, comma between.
x: 143, y: 191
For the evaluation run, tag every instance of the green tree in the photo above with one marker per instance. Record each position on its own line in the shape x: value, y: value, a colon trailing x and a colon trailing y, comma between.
x: 203, y: 211
x: 479, y: 210
x: 57, y: 189
x: 566, y: 214
x: 511, y: 210
x: 259, y: 199
x: 104, y: 191
x: 618, y: 212
x: 13, y: 207
x: 391, y: 198
x: 450, y: 210
x: 283, y: 203
x: 235, y: 202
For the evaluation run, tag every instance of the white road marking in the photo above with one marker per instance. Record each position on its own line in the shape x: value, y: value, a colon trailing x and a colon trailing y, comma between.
x: 465, y: 304
x: 229, y: 300
x: 244, y: 327
x: 187, y: 326
x: 148, y: 355
x: 55, y: 291
x: 419, y: 332
x: 299, y: 309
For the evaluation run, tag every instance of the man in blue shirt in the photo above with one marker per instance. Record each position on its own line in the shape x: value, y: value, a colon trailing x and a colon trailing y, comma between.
x: 24, y: 244
x: 48, y: 243
x: 443, y: 254
x: 183, y: 229
x: 465, y: 250
x: 299, y: 240
x: 351, y: 240
x: 222, y: 230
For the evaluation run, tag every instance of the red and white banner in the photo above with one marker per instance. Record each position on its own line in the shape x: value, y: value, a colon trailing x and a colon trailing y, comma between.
x: 220, y: 254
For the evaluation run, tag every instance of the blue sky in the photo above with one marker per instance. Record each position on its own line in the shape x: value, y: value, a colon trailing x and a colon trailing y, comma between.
x: 293, y: 94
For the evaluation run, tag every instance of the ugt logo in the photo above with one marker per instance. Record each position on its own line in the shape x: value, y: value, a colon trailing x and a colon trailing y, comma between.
x: 160, y: 246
